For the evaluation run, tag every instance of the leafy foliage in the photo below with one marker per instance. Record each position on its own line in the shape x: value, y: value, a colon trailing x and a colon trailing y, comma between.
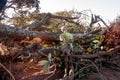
x: 26, y: 3
x: 46, y: 63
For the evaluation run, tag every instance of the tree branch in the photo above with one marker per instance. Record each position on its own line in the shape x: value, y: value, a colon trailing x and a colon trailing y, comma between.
x: 46, y: 18
x: 99, y: 54
x: 20, y: 34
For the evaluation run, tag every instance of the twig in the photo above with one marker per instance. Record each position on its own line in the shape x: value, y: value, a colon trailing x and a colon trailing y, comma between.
x: 99, y: 54
x: 97, y: 69
x: 26, y: 64
x: 7, y: 71
x: 71, y: 73
x: 85, y: 67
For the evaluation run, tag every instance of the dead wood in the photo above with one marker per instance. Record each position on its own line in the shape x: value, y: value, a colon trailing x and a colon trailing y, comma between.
x: 20, y: 34
x: 38, y: 24
x: 45, y: 19
x: 7, y: 71
x: 99, y: 54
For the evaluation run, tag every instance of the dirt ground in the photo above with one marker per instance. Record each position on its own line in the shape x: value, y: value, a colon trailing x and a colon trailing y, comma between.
x: 106, y: 74
x: 28, y: 71
x: 33, y: 72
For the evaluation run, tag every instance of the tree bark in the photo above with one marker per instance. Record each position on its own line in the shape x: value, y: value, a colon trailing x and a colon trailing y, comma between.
x: 20, y: 34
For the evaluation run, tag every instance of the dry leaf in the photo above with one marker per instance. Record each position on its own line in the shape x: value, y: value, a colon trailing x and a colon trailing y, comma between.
x: 3, y: 50
x: 36, y: 40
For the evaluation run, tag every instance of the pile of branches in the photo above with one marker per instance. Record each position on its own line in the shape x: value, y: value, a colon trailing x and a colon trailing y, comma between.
x: 43, y: 49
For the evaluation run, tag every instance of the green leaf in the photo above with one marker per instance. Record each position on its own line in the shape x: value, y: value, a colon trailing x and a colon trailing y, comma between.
x: 49, y: 57
x: 96, y: 41
x: 95, y: 46
x: 46, y: 67
x: 50, y: 26
x: 45, y: 62
x: 97, y: 37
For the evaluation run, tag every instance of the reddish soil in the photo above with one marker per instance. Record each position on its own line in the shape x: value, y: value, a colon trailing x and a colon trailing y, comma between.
x: 106, y: 74
x: 32, y: 72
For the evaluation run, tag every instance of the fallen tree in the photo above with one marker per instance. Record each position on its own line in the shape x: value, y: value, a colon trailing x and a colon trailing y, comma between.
x: 88, y: 48
x: 20, y: 34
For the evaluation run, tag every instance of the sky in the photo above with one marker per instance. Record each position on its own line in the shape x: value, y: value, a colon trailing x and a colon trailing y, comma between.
x: 108, y: 9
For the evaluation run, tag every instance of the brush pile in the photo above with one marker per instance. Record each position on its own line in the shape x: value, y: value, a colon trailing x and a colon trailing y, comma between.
x: 36, y: 59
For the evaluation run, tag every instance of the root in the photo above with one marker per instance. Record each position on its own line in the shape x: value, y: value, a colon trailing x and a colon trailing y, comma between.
x: 7, y: 71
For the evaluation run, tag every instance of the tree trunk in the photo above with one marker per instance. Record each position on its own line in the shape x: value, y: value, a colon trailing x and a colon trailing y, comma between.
x: 20, y: 34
